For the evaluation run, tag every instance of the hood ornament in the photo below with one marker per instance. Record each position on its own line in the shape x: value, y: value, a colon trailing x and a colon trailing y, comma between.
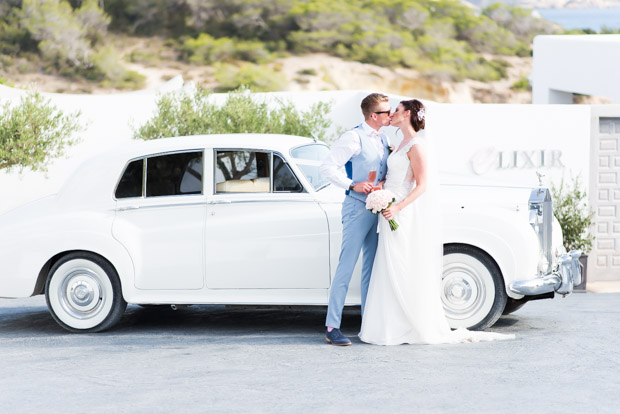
x: 540, y: 178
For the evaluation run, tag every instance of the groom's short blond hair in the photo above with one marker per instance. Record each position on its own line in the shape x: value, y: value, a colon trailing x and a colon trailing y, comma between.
x: 369, y: 103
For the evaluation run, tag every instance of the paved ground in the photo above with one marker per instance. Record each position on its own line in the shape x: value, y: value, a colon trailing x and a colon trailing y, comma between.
x: 604, y: 286
x: 210, y: 359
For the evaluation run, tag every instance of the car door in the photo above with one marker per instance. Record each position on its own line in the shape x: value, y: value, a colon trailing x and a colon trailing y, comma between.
x: 264, y: 230
x: 160, y: 219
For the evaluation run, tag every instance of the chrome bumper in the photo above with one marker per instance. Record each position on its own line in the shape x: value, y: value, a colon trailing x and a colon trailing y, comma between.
x: 564, y: 277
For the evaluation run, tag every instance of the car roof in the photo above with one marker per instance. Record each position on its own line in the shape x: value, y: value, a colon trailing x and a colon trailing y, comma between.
x: 274, y: 142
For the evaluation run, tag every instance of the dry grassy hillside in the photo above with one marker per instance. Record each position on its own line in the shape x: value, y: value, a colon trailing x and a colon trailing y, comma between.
x: 313, y: 72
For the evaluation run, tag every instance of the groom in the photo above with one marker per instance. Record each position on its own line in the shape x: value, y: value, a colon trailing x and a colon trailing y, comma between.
x: 360, y: 150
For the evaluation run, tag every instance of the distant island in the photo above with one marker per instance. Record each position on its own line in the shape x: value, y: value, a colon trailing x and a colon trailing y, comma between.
x: 550, y: 4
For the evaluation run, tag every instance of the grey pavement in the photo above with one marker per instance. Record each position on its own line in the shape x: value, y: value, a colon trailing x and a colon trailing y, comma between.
x: 202, y: 359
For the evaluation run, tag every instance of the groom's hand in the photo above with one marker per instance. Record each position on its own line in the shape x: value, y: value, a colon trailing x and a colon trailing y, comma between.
x: 363, y: 187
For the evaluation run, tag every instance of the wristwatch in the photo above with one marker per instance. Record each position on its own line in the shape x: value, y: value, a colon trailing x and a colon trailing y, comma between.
x: 352, y: 186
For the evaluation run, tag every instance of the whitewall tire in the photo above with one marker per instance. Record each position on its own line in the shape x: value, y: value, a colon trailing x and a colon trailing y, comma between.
x: 83, y: 293
x: 472, y: 288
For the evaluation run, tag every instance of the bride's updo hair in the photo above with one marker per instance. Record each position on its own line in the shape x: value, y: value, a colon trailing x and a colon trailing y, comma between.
x: 417, y: 113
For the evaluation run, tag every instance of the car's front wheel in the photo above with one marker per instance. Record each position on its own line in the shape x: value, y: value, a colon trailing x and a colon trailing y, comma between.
x: 472, y: 288
x: 83, y: 293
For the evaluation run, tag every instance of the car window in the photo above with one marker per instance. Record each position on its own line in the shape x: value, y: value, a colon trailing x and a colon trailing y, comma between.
x: 242, y: 172
x: 174, y: 174
x: 309, y: 158
x: 284, y: 180
x: 130, y: 184
x: 191, y: 182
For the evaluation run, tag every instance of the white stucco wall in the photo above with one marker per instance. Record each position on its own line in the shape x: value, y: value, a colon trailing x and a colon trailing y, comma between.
x: 510, y: 143
x: 584, y: 64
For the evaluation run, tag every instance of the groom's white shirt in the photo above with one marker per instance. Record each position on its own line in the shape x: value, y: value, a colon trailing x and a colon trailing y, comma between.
x: 345, y: 148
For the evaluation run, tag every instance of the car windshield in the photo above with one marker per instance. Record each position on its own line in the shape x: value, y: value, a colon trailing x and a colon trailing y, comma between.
x: 309, y: 158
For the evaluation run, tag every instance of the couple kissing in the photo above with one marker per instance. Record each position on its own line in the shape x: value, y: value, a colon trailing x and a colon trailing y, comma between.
x: 401, y: 268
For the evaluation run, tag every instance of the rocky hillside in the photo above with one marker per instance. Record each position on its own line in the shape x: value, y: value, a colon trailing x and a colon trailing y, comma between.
x: 312, y: 72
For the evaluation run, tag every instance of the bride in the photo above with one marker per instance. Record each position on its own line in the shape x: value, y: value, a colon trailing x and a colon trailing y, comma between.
x: 404, y: 303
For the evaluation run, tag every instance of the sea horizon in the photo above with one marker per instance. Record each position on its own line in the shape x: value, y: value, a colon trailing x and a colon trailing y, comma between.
x: 590, y: 18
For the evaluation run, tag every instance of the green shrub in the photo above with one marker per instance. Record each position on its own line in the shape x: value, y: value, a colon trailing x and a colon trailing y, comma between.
x: 573, y: 214
x: 4, y: 81
x: 13, y: 37
x: 180, y: 114
x: 205, y: 49
x: 110, y: 72
x: 142, y: 56
x: 34, y: 131
x: 522, y: 85
x: 70, y: 41
x: 609, y: 30
x: 60, y: 35
x: 258, y: 78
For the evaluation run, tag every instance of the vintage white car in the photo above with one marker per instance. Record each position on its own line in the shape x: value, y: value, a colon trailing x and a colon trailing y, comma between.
x: 248, y: 219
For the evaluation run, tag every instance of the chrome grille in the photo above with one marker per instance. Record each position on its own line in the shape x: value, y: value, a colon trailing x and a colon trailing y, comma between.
x: 541, y: 219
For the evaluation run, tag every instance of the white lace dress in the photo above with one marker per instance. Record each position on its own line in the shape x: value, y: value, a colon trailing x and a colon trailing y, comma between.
x: 404, y: 303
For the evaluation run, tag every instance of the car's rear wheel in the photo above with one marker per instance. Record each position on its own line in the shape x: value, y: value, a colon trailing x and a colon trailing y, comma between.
x: 83, y: 293
x: 472, y: 288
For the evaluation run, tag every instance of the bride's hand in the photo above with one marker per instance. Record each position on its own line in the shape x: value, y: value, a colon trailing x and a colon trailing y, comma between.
x: 391, y: 211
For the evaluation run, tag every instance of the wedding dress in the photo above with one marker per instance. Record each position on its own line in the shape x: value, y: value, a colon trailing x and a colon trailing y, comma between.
x: 404, y: 303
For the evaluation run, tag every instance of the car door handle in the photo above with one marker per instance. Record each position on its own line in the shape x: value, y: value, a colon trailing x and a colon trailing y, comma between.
x: 125, y: 208
x: 219, y: 202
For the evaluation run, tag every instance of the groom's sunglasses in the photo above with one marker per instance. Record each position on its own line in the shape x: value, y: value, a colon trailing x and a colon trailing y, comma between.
x: 383, y: 112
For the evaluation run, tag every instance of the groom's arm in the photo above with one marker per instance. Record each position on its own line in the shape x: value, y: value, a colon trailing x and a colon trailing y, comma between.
x: 345, y: 148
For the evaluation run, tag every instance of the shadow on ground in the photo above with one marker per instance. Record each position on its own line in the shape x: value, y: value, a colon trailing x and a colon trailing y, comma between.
x: 217, y: 320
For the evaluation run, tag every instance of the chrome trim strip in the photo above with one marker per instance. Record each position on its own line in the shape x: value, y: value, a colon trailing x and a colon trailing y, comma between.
x: 271, y: 187
x: 144, y: 169
x: 540, y: 204
x: 178, y: 204
x: 293, y: 200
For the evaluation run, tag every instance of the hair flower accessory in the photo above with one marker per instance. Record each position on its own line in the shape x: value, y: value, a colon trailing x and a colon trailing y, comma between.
x: 421, y: 114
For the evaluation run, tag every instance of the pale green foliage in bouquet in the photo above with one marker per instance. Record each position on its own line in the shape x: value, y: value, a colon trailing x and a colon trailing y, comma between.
x: 34, y: 131
x: 181, y: 114
x: 573, y: 213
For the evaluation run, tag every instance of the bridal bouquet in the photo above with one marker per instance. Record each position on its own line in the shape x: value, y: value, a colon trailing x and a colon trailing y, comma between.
x: 378, y: 201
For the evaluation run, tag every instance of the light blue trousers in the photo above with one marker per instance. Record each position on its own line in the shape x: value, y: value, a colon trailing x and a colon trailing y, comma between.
x: 359, y: 233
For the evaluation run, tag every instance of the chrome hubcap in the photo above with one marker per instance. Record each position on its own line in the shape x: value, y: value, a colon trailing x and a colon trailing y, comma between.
x: 461, y: 291
x: 81, y: 293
